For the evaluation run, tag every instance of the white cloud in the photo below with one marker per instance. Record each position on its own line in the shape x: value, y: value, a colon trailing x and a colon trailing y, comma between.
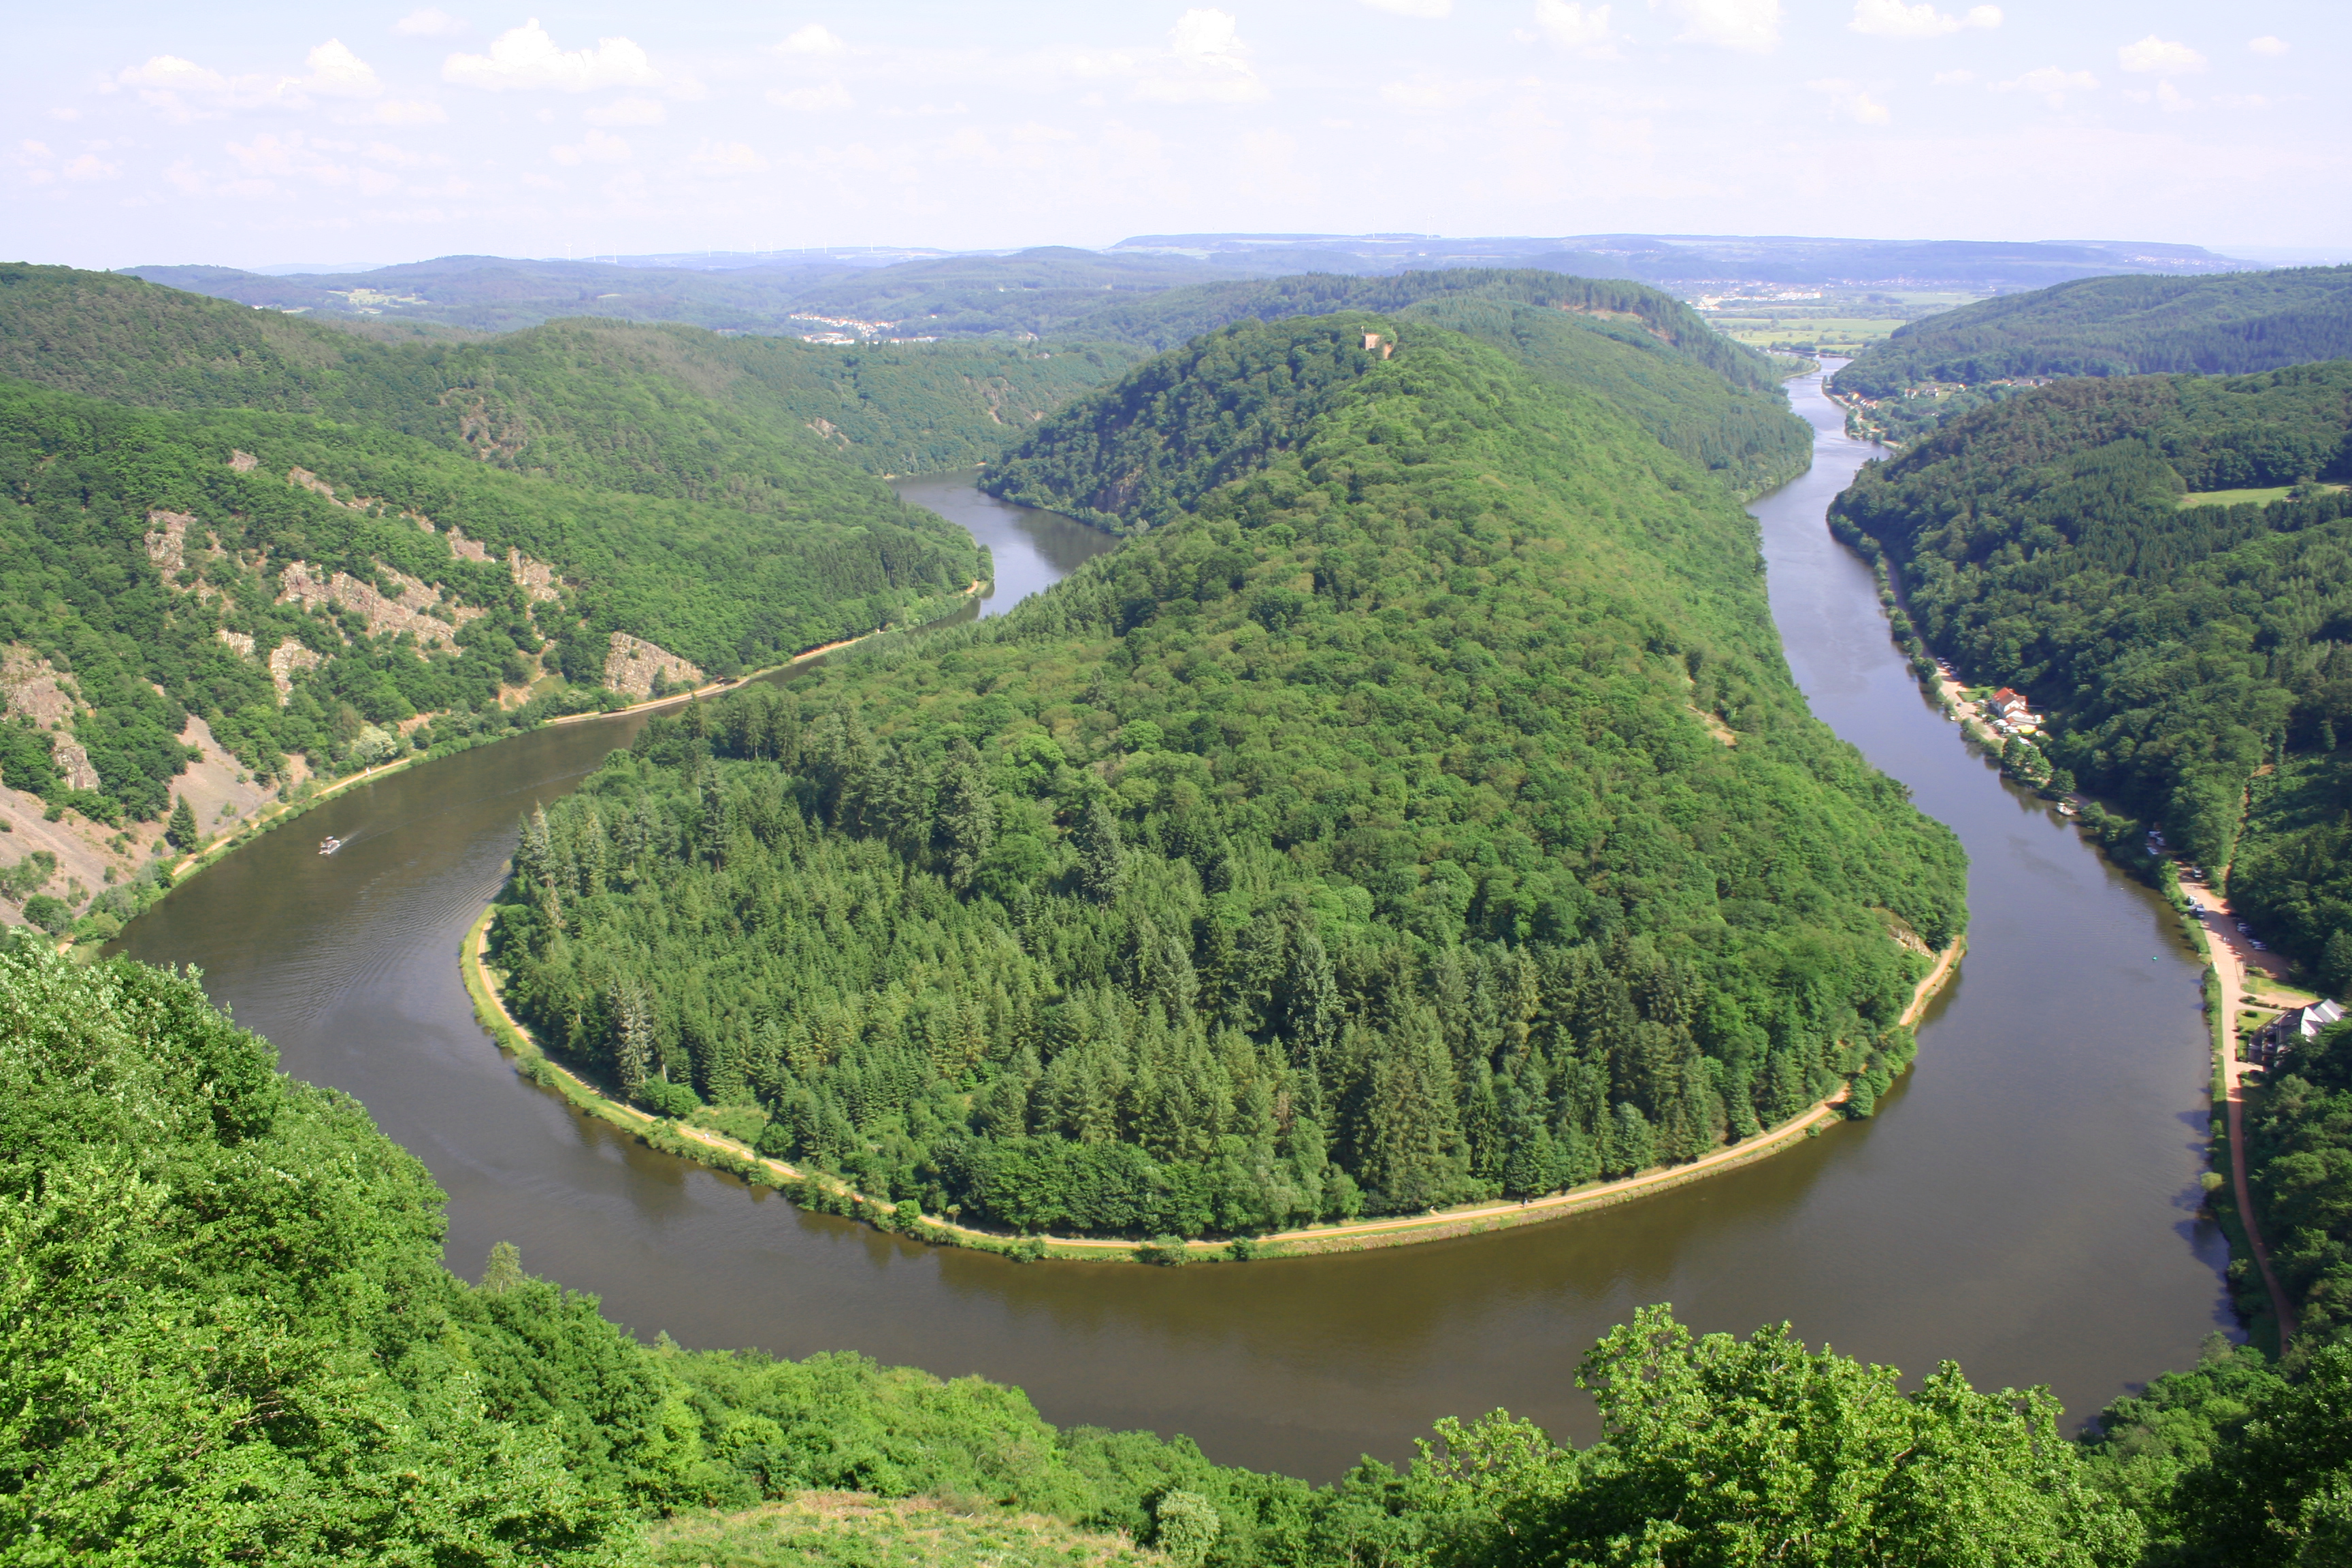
x: 1955, y: 78
x: 170, y: 73
x: 1893, y: 19
x: 526, y: 56
x: 1205, y: 62
x: 430, y: 23
x: 2168, y: 97
x: 1849, y: 100
x: 817, y: 40
x: 821, y: 100
x: 1753, y: 26
x: 1429, y: 8
x: 2160, y: 55
x: 726, y: 158
x: 628, y: 111
x: 2267, y: 45
x: 184, y: 90
x: 336, y: 72
x: 597, y: 147
x: 2053, y: 85
x: 1574, y: 26
x: 41, y: 168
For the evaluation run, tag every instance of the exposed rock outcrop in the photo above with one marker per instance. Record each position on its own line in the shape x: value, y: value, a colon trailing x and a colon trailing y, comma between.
x: 286, y: 659
x: 300, y: 584
x: 537, y: 579
x: 29, y: 685
x: 630, y: 666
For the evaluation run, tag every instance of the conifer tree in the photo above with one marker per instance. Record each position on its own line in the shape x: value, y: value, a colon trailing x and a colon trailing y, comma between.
x: 182, y: 830
x: 1632, y: 1145
x: 633, y: 1045
x: 967, y: 815
x: 1102, y: 855
x: 503, y: 1272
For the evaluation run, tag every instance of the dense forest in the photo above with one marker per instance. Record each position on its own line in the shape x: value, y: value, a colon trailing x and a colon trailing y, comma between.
x: 226, y: 1335
x: 1695, y: 391
x: 1109, y: 460
x: 666, y: 410
x: 2300, y: 1161
x: 2222, y: 324
x: 2195, y: 656
x: 1422, y: 811
x: 146, y: 549
x: 308, y: 540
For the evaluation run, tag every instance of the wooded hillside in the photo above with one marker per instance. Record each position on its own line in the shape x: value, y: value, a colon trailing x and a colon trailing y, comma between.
x: 2197, y: 658
x: 1714, y: 401
x: 307, y: 540
x: 1421, y: 810
x: 2227, y: 323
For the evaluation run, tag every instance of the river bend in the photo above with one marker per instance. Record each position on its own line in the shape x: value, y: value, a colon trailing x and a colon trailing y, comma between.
x: 2025, y: 1201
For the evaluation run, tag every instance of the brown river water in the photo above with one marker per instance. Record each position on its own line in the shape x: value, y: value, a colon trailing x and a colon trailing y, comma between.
x: 2024, y: 1202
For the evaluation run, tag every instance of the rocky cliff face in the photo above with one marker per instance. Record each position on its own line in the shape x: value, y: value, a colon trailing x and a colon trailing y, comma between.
x: 632, y: 664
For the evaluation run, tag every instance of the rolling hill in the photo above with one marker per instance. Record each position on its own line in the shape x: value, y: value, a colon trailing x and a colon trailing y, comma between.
x: 2224, y: 325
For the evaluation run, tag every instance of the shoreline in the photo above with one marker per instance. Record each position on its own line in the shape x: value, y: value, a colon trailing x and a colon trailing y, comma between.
x: 735, y: 1158
x: 2200, y: 909
x: 283, y: 812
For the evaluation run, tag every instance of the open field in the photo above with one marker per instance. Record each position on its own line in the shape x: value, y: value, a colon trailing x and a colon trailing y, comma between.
x: 2241, y: 498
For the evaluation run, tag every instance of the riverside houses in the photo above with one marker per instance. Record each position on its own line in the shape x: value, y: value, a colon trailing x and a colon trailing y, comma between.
x: 2295, y: 1027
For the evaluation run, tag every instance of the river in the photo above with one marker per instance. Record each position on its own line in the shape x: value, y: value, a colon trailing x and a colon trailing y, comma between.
x: 2025, y: 1201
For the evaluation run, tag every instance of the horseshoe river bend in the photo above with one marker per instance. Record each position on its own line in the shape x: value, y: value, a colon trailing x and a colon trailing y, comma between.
x: 2025, y: 1201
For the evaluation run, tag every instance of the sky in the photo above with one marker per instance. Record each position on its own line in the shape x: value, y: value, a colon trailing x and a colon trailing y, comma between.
x: 254, y: 133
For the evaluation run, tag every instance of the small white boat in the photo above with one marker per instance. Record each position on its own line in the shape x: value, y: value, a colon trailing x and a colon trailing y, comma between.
x: 328, y: 844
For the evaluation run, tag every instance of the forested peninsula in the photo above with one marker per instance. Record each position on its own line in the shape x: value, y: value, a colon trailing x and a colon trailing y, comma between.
x: 226, y: 1333
x: 2163, y: 564
x: 1419, y: 810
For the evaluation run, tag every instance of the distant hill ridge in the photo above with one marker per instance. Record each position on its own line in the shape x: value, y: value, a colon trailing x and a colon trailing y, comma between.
x: 2232, y: 324
x: 1040, y: 289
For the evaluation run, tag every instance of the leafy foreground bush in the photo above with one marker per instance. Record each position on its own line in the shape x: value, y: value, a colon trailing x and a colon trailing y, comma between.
x: 225, y: 1335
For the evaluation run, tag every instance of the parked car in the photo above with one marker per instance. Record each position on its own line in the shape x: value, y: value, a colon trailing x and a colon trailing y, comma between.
x: 2257, y: 946
x: 2245, y: 930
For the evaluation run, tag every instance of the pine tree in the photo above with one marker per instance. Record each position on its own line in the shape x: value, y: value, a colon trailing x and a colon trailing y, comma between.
x: 1313, y: 996
x: 632, y: 1044
x: 503, y: 1272
x: 1102, y: 855
x: 966, y: 819
x: 1631, y: 1144
x: 1409, y: 1142
x: 182, y: 830
x: 2336, y: 965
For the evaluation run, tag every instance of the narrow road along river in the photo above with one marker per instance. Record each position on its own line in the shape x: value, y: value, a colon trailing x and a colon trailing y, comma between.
x: 2024, y: 1202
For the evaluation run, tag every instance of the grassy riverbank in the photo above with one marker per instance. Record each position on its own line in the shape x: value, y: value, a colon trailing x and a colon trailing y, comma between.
x: 824, y: 1193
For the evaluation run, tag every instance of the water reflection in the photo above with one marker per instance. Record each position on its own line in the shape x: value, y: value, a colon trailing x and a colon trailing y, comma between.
x: 1034, y: 550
